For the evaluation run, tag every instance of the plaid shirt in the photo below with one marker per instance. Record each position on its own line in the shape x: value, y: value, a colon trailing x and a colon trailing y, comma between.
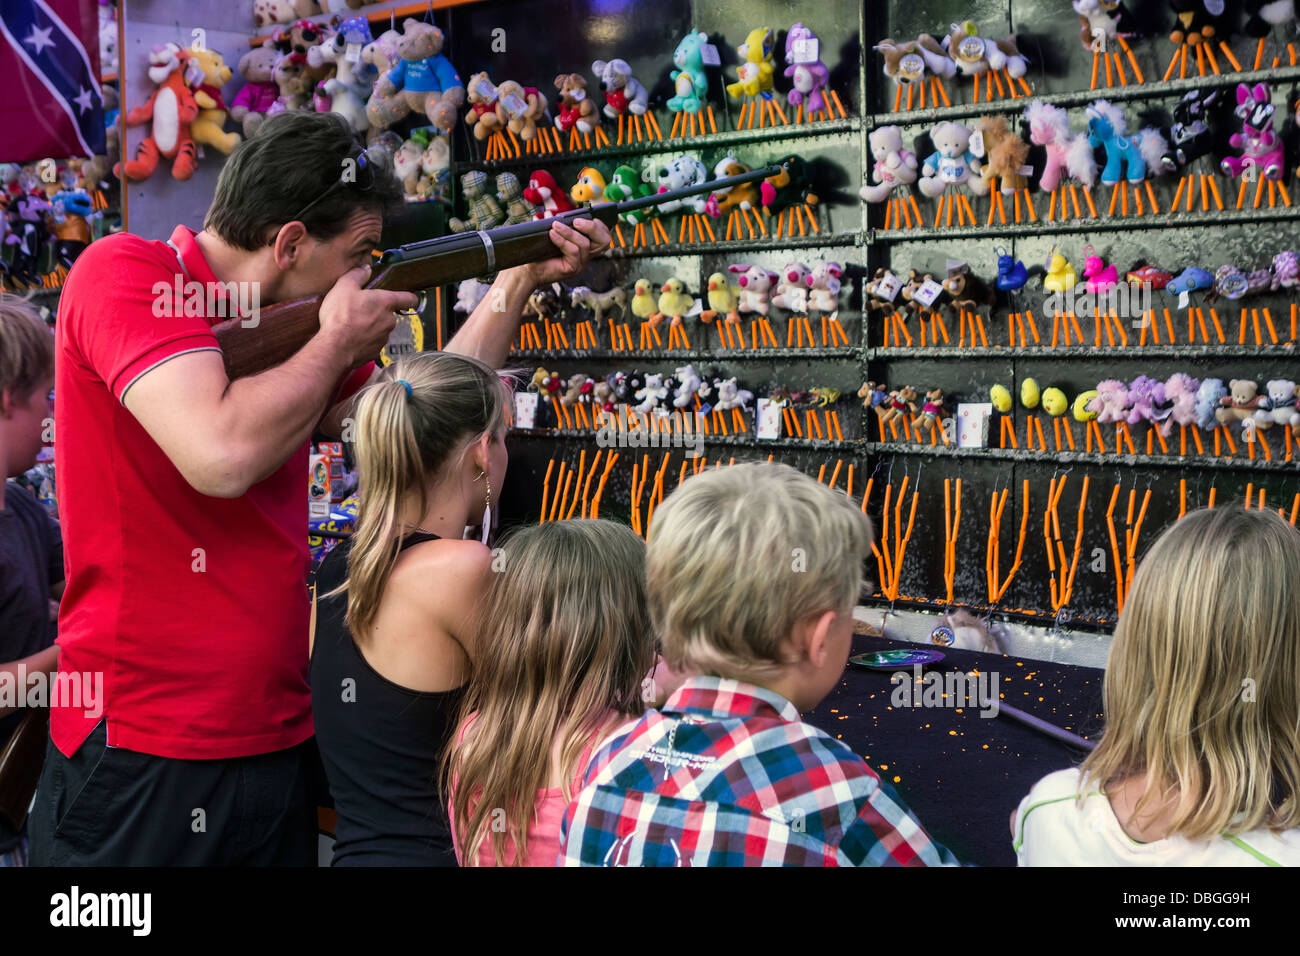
x: 727, y: 775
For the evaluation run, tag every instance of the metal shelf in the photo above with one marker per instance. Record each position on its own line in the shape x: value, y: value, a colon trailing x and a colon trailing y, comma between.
x: 1025, y: 456
x: 678, y: 144
x: 1152, y: 89
x: 1088, y: 351
x: 693, y: 355
x: 664, y: 440
x: 818, y: 240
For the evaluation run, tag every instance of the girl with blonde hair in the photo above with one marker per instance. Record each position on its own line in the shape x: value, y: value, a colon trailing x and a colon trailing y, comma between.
x: 565, y: 645
x: 393, y: 628
x: 1199, y: 764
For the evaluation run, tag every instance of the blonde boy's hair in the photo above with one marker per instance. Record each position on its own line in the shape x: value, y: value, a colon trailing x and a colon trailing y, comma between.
x: 1202, y: 689
x: 738, y: 555
x: 26, y: 347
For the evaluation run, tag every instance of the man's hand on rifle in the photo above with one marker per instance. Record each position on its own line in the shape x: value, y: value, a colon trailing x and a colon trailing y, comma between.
x: 359, y: 320
x: 578, y: 244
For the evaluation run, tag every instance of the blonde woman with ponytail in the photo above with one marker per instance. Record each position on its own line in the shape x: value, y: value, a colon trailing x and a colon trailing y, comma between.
x: 395, y: 618
x: 566, y: 649
x: 1199, y: 764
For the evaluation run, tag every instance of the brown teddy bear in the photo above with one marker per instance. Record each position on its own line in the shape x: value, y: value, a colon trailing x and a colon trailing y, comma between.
x: 1240, y: 402
x: 482, y: 116
x: 899, y: 404
x: 259, y: 93
x: 424, y: 80
x: 576, y: 108
x: 290, y: 76
x: 520, y: 108
x: 966, y: 292
x: 931, y: 411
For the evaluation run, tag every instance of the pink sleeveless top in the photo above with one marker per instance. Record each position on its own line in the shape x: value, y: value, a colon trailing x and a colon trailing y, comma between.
x: 543, y: 846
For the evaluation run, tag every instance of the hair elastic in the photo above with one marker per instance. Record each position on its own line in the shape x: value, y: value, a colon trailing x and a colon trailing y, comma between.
x: 406, y: 385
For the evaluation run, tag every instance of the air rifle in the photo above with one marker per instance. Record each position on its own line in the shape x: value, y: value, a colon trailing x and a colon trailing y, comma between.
x: 280, y: 330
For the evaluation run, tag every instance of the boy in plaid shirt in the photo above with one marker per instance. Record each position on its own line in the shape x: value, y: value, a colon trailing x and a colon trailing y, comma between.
x: 752, y: 574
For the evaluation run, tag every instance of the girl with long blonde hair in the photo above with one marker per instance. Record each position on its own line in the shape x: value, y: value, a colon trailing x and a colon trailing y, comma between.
x: 1199, y: 763
x: 393, y: 628
x: 565, y: 650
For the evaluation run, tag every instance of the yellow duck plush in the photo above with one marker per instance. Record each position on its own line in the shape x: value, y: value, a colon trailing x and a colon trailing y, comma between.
x: 723, y: 299
x: 756, y: 66
x: 673, y: 302
x: 643, y: 302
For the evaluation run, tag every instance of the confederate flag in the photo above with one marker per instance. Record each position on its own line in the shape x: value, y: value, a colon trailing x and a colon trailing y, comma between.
x: 49, y: 70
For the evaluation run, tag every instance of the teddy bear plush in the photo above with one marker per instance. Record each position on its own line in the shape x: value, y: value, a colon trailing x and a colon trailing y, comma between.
x: 435, y: 169
x: 206, y: 74
x: 952, y: 163
x: 899, y: 404
x: 290, y: 75
x: 300, y: 37
x: 406, y: 167
x: 258, y: 94
x: 576, y: 108
x: 484, y: 211
x: 894, y: 166
x: 482, y: 117
x: 1279, y: 408
x: 519, y: 108
x: 623, y: 92
x: 511, y: 199
x: 424, y: 78
x: 269, y: 12
x: 690, y: 83
x: 1240, y: 403
x: 932, y: 410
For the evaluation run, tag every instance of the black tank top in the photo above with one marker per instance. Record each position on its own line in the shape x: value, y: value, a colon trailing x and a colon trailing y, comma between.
x: 381, y: 743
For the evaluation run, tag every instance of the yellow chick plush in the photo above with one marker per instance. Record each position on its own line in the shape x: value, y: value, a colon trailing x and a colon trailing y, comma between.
x: 643, y: 303
x: 673, y: 301
x: 723, y: 299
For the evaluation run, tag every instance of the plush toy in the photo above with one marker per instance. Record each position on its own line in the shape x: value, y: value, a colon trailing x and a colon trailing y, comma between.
x: 1146, y: 399
x: 1260, y: 147
x: 469, y: 294
x: 651, y: 394
x: 1279, y: 407
x: 1192, y: 134
x: 792, y: 288
x: 1286, y: 271
x: 578, y: 389
x: 807, y: 73
x: 380, y: 57
x: 754, y: 74
x: 543, y: 193
x: 347, y: 90
x: 874, y: 396
x: 824, y: 286
x: 674, y: 302
x: 623, y: 92
x: 626, y: 184
x: 755, y: 285
x: 723, y: 300
x: 744, y: 196
x: 1209, y: 397
x: 26, y: 238
x: 975, y: 55
x: 1067, y: 152
x: 598, y: 302
x: 511, y: 198
x: 966, y: 290
x: 677, y: 173
x: 290, y: 75
x: 952, y: 163
x: 590, y: 186
x: 435, y: 165
x: 690, y: 84
x: 425, y: 78
x: 901, y: 403
x: 67, y: 225
x: 206, y: 73
x: 1240, y: 403
x: 689, y: 384
x: 931, y: 411
x: 791, y: 186
x: 484, y: 211
x: 108, y: 61
x: 171, y: 107
x: 1195, y: 21
x: 483, y: 116
x: 577, y: 111
x: 519, y: 108
x: 1180, y: 395
x: 1127, y: 157
x: 300, y: 37
x: 894, y: 166
x: 1111, y: 403
x: 406, y: 167
x: 270, y: 12
x: 1005, y: 155
x: 731, y: 395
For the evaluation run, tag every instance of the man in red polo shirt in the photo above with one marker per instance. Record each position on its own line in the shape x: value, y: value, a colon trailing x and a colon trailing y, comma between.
x: 183, y: 737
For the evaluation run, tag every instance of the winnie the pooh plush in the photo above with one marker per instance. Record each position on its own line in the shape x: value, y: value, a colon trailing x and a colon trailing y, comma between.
x: 424, y: 78
x: 207, y: 73
x: 259, y: 92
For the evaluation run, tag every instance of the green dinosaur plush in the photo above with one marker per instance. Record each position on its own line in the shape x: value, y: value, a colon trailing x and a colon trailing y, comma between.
x: 626, y: 184
x: 484, y: 211
x: 511, y: 197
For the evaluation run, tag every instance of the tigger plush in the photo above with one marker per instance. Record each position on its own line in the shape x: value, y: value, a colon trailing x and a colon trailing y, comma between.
x: 171, y: 108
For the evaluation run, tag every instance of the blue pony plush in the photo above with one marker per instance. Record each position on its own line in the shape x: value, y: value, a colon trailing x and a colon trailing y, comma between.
x: 1125, y: 154
x: 689, y: 81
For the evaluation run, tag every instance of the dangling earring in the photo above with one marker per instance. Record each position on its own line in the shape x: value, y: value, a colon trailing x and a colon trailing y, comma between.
x: 487, y: 512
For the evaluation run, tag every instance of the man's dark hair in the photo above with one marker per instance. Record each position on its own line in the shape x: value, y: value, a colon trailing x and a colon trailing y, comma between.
x: 293, y: 168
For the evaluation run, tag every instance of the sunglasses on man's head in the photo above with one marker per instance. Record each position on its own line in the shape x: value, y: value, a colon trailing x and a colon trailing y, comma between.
x: 359, y: 171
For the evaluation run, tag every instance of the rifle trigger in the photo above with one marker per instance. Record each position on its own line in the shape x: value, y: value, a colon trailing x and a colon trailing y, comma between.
x: 489, y: 250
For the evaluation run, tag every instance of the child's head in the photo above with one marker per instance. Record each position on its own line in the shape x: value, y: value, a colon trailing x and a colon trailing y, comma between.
x: 563, y: 638
x: 1202, y: 689
x: 26, y: 377
x: 443, y: 439
x: 752, y: 573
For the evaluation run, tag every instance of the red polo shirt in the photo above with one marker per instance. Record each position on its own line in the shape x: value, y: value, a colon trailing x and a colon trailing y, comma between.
x: 193, y: 609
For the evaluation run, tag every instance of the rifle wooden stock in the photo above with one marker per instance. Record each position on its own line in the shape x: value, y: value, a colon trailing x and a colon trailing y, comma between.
x: 255, y: 344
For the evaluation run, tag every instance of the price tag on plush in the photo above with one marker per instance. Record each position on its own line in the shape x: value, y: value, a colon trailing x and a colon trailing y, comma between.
x: 526, y: 409
x: 928, y: 292
x: 973, y: 424
x: 977, y: 143
x: 353, y: 54
x: 709, y: 55
x: 889, y: 286
x: 768, y: 424
x: 805, y: 50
